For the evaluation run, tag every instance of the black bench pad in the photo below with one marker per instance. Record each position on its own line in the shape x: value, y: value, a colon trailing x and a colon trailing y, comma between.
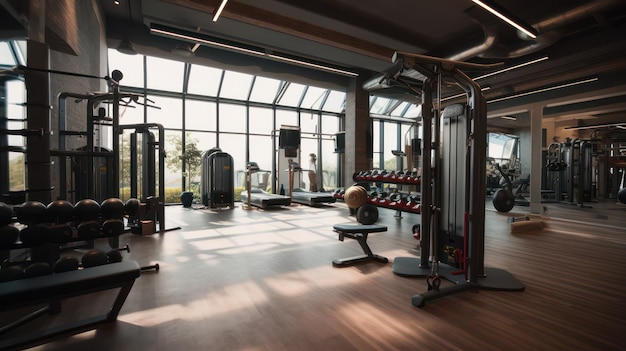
x: 362, y: 228
x: 53, y: 288
x: 30, y: 291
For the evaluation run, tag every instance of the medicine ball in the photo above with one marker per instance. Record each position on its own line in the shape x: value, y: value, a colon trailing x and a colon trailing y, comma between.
x: 355, y: 196
x: 94, y: 258
x: 66, y: 264
x: 131, y: 207
x: 37, y: 269
x: 31, y: 212
x: 112, y: 208
x: 87, y: 209
x: 6, y: 214
x: 60, y: 211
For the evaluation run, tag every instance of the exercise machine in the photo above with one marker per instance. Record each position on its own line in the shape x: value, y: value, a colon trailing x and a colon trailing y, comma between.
x: 257, y: 196
x: 453, y: 183
x: 217, y: 186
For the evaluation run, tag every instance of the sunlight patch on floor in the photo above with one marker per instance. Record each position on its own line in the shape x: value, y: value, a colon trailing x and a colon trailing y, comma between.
x: 243, y: 296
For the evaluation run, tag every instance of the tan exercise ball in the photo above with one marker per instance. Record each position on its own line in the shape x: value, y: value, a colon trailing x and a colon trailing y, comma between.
x: 355, y: 196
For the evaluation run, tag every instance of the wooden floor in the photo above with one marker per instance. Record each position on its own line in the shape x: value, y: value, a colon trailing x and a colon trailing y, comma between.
x: 250, y: 280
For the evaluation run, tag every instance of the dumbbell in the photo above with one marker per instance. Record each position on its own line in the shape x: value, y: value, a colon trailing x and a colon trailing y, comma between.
x: 60, y: 213
x: 87, y: 212
x: 91, y: 258
x: 97, y: 257
x: 37, y: 269
x: 8, y: 236
x: 11, y: 273
x: 6, y: 214
x: 112, y: 210
x: 131, y: 207
x: 32, y: 214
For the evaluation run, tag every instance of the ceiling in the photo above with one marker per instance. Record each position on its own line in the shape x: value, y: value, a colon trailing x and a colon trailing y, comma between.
x: 582, y: 39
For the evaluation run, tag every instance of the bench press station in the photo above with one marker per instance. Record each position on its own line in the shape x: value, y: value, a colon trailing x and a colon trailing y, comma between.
x: 50, y: 290
x: 358, y: 233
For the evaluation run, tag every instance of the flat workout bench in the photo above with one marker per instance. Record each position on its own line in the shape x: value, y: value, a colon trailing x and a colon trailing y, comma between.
x: 51, y: 289
x: 358, y: 233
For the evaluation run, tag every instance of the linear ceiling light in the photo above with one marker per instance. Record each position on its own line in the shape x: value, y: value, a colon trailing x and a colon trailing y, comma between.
x: 507, y: 17
x: 512, y: 68
x: 313, y: 65
x: 595, y: 126
x: 510, y: 118
x: 218, y: 11
x: 251, y: 50
x: 462, y: 94
x: 543, y: 90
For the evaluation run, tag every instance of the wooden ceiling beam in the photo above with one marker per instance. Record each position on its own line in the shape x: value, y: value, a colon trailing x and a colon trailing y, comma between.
x: 268, y: 20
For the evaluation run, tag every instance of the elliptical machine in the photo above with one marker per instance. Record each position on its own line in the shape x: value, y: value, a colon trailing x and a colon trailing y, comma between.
x: 503, y: 199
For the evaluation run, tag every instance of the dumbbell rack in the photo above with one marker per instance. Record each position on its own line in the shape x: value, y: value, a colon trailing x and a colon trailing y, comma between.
x: 400, y: 203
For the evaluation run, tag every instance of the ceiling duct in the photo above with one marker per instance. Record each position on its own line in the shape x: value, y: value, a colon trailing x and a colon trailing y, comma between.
x: 493, y: 46
x: 184, y: 50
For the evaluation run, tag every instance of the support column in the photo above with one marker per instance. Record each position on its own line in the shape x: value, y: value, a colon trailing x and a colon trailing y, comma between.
x: 358, y: 127
x: 536, y: 116
x: 38, y: 106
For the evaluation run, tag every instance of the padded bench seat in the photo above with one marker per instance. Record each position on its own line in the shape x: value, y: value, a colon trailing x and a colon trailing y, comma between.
x: 359, y: 233
x: 50, y: 289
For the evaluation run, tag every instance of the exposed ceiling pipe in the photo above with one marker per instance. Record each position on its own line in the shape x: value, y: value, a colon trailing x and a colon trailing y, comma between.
x: 546, y: 28
x: 588, y: 10
x: 491, y: 33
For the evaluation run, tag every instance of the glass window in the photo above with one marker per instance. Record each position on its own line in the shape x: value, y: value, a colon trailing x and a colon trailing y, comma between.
x: 131, y: 67
x: 376, y: 140
x: 164, y: 74
x: 15, y: 96
x: 292, y: 95
x: 336, y: 101
x: 265, y: 90
x: 380, y: 106
x: 328, y: 173
x: 6, y: 55
x: 308, y: 122
x: 235, y: 85
x: 285, y: 117
x: 204, y: 80
x: 390, y: 143
x: 308, y: 146
x: 399, y: 109
x: 196, y: 143
x: 132, y: 114
x: 261, y: 120
x: 200, y: 115
x: 232, y: 118
x: 235, y: 145
x: 170, y: 114
x: 261, y: 153
x: 330, y: 124
x: 413, y: 111
x: 314, y: 97
x: 173, y: 174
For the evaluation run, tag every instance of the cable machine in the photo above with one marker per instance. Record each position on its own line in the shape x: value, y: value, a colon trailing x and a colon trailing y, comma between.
x: 453, y: 183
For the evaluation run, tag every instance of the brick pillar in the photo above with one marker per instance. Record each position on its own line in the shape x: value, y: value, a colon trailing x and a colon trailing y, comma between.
x: 358, y: 127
